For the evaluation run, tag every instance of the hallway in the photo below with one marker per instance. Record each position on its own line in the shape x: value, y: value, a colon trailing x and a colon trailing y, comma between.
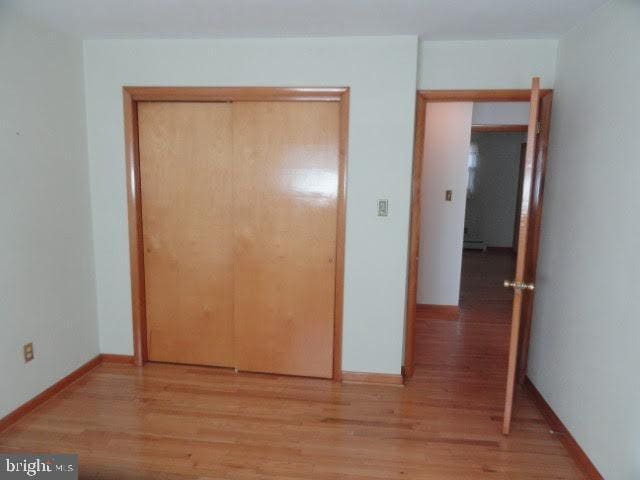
x: 475, y: 345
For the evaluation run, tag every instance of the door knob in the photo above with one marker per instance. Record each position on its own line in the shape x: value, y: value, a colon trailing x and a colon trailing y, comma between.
x: 519, y: 285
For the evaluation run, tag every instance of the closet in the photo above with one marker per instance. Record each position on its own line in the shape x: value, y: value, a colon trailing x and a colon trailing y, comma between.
x: 239, y: 207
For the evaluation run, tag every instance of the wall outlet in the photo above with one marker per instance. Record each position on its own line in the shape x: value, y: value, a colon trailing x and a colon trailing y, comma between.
x: 27, y: 349
x: 383, y: 208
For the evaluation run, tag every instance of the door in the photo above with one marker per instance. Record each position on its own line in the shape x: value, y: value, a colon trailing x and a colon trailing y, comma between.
x: 528, y: 234
x: 186, y: 185
x: 516, y: 222
x: 286, y: 160
x: 535, y: 221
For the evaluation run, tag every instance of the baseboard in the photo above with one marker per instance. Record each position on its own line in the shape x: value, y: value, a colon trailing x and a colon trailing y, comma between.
x: 373, y: 378
x: 575, y: 451
x: 439, y: 312
x: 54, y: 389
x: 117, y: 358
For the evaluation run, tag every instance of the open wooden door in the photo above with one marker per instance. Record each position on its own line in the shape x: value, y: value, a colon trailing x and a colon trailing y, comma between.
x: 537, y: 194
x: 527, y: 246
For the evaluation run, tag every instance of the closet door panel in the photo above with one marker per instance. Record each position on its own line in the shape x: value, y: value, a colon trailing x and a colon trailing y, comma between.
x: 286, y: 157
x: 186, y: 179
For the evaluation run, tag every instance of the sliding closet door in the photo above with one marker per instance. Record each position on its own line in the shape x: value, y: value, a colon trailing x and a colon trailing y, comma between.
x: 285, y: 206
x: 186, y: 180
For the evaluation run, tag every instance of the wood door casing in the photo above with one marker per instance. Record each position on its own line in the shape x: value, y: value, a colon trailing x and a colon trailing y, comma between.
x: 186, y: 173
x: 286, y: 162
x: 422, y: 98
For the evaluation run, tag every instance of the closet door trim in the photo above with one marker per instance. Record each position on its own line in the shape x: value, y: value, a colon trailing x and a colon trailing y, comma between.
x: 133, y: 95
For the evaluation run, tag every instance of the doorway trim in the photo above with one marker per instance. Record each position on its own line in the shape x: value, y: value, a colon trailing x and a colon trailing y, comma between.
x: 132, y: 95
x: 422, y: 98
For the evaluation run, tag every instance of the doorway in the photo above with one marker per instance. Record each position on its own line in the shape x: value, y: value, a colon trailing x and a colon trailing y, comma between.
x: 220, y: 184
x: 447, y: 184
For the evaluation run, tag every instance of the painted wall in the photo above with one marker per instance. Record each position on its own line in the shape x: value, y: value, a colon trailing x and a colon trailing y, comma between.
x: 47, y: 292
x: 382, y: 75
x: 486, y: 64
x: 491, y: 208
x: 444, y: 167
x: 586, y: 331
x: 500, y: 113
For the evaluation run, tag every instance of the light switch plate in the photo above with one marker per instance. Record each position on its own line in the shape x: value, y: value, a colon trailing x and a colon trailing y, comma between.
x: 383, y: 208
x: 27, y: 351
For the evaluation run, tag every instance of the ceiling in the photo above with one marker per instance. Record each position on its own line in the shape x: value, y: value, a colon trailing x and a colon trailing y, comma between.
x: 431, y: 19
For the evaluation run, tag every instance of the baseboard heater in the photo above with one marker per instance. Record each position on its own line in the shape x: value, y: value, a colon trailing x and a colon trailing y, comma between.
x: 475, y: 245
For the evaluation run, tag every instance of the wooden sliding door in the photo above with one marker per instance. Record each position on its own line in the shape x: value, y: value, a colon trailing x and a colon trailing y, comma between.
x: 285, y: 205
x: 186, y: 179
x: 239, y: 219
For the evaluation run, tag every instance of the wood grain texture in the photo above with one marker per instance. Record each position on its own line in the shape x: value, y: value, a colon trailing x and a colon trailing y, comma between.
x: 372, y: 378
x: 134, y: 210
x: 341, y: 221
x: 474, y: 345
x: 186, y: 182
x: 286, y: 162
x: 236, y: 94
x: 472, y: 351
x: 559, y: 429
x: 133, y: 95
x: 183, y: 423
x: 450, y: 312
x: 498, y: 128
x: 516, y: 221
x: 41, y: 398
x: 523, y: 95
x: 117, y: 358
x: 414, y: 237
x: 537, y: 197
x: 522, y: 253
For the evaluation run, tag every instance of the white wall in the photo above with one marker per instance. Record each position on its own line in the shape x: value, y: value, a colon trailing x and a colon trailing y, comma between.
x: 47, y: 290
x: 382, y: 75
x: 500, y: 113
x: 486, y: 64
x: 444, y: 167
x: 491, y: 209
x: 585, y: 349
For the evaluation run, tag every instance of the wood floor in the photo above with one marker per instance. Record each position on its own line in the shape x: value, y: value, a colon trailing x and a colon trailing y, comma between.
x: 179, y: 422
